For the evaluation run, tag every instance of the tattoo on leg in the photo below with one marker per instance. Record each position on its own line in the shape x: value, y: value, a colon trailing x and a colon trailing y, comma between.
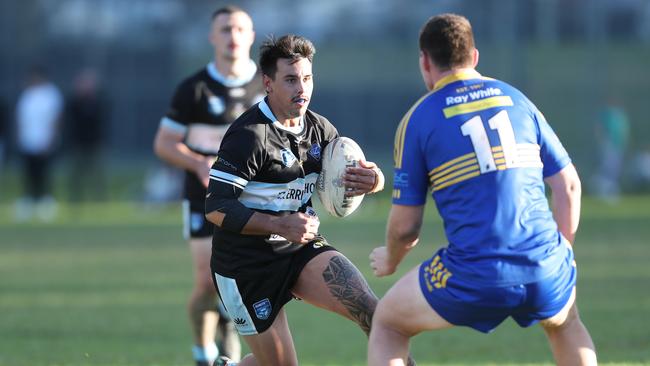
x: 348, y: 286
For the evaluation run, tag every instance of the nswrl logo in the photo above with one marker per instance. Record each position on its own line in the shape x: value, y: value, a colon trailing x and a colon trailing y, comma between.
x: 262, y: 309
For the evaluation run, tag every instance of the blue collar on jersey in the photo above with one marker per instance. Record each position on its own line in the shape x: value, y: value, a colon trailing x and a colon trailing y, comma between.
x: 249, y: 74
x: 455, y: 76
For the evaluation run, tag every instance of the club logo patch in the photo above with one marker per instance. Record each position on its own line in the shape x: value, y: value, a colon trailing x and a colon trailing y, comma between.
x: 288, y: 159
x: 262, y: 309
x: 314, y: 151
x: 216, y: 104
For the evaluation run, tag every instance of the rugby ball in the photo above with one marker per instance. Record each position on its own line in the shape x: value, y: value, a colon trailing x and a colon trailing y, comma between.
x: 339, y: 154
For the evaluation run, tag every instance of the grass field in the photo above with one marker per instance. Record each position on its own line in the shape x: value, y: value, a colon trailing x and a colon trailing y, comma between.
x: 107, y: 285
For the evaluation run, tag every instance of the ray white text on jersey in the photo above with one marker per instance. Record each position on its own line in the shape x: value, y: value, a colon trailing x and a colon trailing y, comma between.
x: 473, y: 95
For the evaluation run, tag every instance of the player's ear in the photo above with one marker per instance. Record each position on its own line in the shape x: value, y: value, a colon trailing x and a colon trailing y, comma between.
x: 475, y: 58
x: 424, y: 62
x: 266, y: 80
x: 212, y: 34
x: 425, y: 69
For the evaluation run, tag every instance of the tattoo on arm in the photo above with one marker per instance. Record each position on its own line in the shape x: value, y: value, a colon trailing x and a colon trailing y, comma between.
x: 347, y: 285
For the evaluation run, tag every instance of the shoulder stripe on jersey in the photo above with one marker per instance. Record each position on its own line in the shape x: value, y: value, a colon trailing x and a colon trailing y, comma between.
x: 473, y: 162
x: 466, y: 166
x: 228, y: 182
x: 398, y: 149
x: 173, y: 125
x: 467, y: 176
x: 452, y: 162
x: 228, y: 178
x: 478, y: 105
x: 454, y: 174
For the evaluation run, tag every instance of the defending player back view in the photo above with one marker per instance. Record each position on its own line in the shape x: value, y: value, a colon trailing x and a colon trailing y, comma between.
x: 480, y: 135
x: 484, y: 151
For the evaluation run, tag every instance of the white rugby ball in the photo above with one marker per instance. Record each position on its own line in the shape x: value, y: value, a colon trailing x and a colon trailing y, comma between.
x: 339, y: 154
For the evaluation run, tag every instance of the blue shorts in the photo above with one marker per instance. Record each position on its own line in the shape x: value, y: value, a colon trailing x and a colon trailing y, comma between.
x: 484, y: 308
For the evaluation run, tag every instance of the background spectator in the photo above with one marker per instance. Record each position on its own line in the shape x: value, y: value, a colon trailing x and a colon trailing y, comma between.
x: 86, y: 117
x: 38, y: 111
x: 612, y: 134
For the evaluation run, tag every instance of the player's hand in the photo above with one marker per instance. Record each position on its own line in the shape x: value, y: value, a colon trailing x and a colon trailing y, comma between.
x: 367, y: 178
x: 202, y: 169
x: 379, y: 262
x: 298, y: 227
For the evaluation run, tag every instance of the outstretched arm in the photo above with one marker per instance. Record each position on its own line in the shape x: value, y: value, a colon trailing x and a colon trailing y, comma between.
x: 402, y: 234
x: 565, y: 198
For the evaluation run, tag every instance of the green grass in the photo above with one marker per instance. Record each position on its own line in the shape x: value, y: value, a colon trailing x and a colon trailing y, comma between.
x: 107, y: 285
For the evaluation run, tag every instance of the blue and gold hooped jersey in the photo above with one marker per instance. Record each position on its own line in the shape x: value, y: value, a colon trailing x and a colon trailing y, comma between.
x: 482, y: 149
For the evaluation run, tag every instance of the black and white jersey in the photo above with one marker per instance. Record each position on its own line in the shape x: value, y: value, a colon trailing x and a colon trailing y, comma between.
x: 203, y: 107
x: 271, y: 169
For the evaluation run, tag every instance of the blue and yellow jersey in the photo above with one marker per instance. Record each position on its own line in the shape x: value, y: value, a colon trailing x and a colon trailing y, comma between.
x: 482, y: 148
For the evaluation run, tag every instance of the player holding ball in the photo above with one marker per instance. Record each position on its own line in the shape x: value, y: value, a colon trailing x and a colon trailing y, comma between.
x: 266, y: 248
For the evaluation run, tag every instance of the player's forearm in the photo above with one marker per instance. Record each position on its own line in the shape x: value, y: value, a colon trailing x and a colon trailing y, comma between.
x: 255, y: 224
x: 566, y: 191
x: 178, y: 155
x: 398, y: 244
x: 401, y: 236
x: 566, y: 211
x: 403, y: 231
x: 297, y: 227
x: 261, y: 224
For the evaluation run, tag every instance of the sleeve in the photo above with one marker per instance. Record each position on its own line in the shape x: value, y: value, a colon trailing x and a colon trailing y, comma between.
x: 410, y: 182
x: 239, y: 159
x: 179, y: 114
x: 554, y: 156
x: 329, y: 132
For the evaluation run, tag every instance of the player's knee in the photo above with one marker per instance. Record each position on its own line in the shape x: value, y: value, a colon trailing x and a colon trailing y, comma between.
x: 387, y: 322
x: 204, y: 284
x: 384, y: 317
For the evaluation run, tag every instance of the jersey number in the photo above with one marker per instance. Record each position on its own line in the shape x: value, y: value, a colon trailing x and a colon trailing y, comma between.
x: 476, y: 131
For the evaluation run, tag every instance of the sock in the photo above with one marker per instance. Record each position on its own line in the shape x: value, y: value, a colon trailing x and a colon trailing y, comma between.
x: 207, y: 353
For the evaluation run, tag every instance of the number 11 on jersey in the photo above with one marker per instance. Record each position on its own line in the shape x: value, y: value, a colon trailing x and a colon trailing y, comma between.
x: 478, y: 135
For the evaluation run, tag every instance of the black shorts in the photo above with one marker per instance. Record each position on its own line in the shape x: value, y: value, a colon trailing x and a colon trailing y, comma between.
x: 195, y: 225
x: 253, y: 303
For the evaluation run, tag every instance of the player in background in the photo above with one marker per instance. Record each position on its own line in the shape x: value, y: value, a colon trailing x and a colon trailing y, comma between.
x: 485, y: 151
x: 202, y: 109
x: 266, y: 248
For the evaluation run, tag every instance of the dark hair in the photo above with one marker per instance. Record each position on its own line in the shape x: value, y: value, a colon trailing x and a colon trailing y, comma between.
x: 228, y: 9
x: 448, y: 40
x: 290, y: 46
